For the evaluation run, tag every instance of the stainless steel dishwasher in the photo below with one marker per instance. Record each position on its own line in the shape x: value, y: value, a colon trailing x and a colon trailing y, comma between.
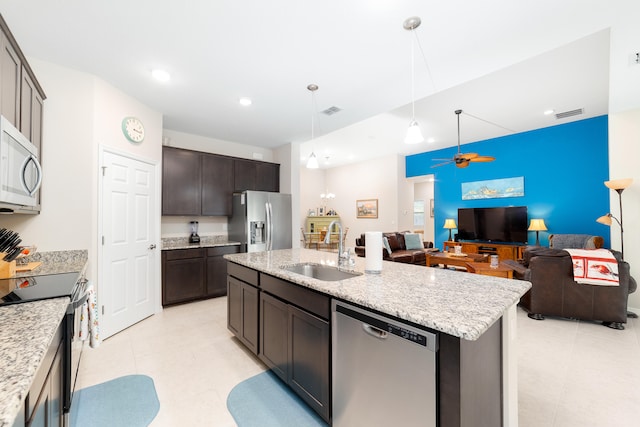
x: 384, y: 372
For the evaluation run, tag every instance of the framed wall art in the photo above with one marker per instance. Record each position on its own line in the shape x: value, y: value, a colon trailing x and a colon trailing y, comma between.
x: 367, y: 208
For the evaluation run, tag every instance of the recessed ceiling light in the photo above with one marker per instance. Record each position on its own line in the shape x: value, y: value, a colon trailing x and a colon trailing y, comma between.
x: 549, y: 112
x: 244, y: 101
x: 161, y: 75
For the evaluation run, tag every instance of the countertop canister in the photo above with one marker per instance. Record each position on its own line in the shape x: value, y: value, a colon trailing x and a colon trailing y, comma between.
x: 373, y: 252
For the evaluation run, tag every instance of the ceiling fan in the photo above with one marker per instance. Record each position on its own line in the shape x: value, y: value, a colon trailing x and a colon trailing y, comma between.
x: 462, y: 160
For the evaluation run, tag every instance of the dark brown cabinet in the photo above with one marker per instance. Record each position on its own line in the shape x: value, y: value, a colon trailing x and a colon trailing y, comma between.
x: 254, y: 175
x: 181, y: 182
x: 183, y: 275
x: 217, y: 270
x: 43, y: 404
x: 217, y: 185
x: 274, y: 335
x: 202, y: 184
x: 194, y: 274
x: 242, y: 312
x: 21, y: 96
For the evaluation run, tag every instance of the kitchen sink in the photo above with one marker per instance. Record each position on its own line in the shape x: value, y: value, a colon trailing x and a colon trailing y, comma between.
x: 321, y: 272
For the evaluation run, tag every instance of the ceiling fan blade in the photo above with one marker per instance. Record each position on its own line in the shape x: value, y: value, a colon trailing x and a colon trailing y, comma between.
x: 483, y: 159
x: 467, y: 156
x: 442, y: 164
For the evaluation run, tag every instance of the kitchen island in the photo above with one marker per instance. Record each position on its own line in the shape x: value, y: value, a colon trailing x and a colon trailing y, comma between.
x: 473, y: 314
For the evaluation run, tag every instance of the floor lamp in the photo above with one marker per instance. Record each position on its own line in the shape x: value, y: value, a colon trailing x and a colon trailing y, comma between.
x: 618, y: 185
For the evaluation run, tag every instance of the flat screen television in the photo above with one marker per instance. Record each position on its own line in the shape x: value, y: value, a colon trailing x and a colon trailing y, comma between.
x: 503, y: 224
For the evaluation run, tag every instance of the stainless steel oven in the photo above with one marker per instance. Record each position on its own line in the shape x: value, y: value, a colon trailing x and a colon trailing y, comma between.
x: 73, y: 345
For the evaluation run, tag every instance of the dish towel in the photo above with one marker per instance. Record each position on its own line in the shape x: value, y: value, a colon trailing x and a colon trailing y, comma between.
x: 89, y: 326
x: 594, y: 267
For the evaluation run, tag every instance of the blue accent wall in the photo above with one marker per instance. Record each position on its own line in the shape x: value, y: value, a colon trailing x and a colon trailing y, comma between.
x: 563, y: 166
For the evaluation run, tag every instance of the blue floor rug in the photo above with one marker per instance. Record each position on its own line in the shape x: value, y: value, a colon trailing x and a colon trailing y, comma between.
x: 129, y: 401
x: 265, y: 401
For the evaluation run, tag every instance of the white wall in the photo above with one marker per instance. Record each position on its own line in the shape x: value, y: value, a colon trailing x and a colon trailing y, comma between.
x: 81, y: 113
x: 372, y: 179
x: 624, y: 132
x: 424, y: 191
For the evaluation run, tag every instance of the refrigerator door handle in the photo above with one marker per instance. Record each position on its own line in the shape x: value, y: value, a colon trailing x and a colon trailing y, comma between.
x: 269, y: 212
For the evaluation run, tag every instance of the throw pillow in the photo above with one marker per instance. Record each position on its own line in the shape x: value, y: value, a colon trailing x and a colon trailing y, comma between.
x: 412, y: 241
x: 385, y: 242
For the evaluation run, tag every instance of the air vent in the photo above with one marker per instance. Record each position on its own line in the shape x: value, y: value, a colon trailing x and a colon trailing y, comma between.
x: 331, y: 110
x: 569, y: 113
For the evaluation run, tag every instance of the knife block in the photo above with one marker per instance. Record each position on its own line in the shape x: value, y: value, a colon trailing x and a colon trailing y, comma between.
x: 7, y: 269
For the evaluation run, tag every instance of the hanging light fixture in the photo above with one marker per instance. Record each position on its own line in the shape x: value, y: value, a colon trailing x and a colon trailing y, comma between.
x: 414, y: 136
x: 312, y: 163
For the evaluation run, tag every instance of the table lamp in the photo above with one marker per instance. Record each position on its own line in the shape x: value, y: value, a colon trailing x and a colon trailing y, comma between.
x: 537, y: 225
x: 450, y: 224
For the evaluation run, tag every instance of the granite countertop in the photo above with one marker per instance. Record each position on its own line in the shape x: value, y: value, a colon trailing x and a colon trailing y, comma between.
x: 26, y: 331
x: 461, y: 304
x: 25, y: 335
x: 169, y: 243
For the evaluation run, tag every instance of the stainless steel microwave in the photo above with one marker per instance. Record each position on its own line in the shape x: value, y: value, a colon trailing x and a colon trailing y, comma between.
x: 20, y: 171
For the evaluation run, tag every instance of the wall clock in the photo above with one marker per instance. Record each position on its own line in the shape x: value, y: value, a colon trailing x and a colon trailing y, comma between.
x: 133, y: 129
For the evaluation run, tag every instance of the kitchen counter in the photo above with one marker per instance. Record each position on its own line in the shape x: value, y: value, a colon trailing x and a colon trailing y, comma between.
x: 460, y: 304
x: 26, y: 331
x: 169, y: 243
x: 25, y: 335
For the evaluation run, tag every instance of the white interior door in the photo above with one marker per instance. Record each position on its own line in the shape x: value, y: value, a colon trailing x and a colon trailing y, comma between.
x: 128, y: 285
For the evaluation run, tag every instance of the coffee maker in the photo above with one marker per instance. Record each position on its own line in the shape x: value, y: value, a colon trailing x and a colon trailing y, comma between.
x: 194, y: 238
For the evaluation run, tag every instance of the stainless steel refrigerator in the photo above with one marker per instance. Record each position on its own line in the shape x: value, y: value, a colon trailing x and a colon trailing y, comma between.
x: 261, y: 221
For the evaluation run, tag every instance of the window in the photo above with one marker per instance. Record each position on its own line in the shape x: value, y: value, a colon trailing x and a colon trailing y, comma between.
x: 418, y: 212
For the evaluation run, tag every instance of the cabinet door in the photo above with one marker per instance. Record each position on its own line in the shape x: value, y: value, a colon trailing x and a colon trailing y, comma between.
x: 244, y: 175
x: 309, y: 340
x: 183, y: 279
x: 234, y: 306
x: 217, y: 270
x: 30, y: 110
x: 55, y: 400
x: 181, y: 182
x: 217, y: 185
x: 469, y: 249
x: 10, y: 66
x: 274, y: 337
x: 505, y: 252
x: 267, y: 177
x: 250, y: 307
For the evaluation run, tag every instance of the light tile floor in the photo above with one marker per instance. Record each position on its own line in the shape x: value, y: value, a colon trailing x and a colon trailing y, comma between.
x: 570, y: 373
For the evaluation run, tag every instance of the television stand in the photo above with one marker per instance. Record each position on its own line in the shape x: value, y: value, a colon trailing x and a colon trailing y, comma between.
x: 504, y: 251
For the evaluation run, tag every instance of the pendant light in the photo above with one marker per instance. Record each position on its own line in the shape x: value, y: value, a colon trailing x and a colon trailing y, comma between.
x: 312, y: 163
x: 414, y: 136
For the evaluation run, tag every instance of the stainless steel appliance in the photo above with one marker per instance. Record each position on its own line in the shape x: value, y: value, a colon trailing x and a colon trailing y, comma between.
x: 261, y: 221
x: 384, y: 371
x: 20, y: 171
x: 72, y: 285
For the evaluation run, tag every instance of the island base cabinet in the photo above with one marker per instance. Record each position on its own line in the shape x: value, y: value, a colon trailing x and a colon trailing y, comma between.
x: 242, y: 312
x: 44, y: 403
x: 295, y: 345
x: 309, y: 359
x: 274, y: 335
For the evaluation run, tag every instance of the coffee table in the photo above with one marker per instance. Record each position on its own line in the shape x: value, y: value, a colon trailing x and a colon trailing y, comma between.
x: 447, y: 259
x: 484, y: 268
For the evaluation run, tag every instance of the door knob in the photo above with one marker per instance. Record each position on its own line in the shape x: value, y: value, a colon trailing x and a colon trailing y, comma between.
x: 152, y: 246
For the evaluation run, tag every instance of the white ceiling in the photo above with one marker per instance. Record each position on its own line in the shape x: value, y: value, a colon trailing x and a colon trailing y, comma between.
x: 499, y: 60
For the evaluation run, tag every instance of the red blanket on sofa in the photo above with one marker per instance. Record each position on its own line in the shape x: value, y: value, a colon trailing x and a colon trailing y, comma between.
x: 594, y: 266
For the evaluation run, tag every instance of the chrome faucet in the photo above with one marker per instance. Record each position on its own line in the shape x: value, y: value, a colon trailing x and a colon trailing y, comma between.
x: 344, y: 258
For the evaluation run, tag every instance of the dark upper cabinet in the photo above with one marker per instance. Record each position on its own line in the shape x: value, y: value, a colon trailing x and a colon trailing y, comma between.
x: 202, y: 184
x: 253, y: 175
x: 10, y: 68
x: 181, y: 182
x: 217, y: 185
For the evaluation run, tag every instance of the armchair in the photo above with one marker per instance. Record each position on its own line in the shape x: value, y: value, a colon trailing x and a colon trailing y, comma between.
x: 555, y: 293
